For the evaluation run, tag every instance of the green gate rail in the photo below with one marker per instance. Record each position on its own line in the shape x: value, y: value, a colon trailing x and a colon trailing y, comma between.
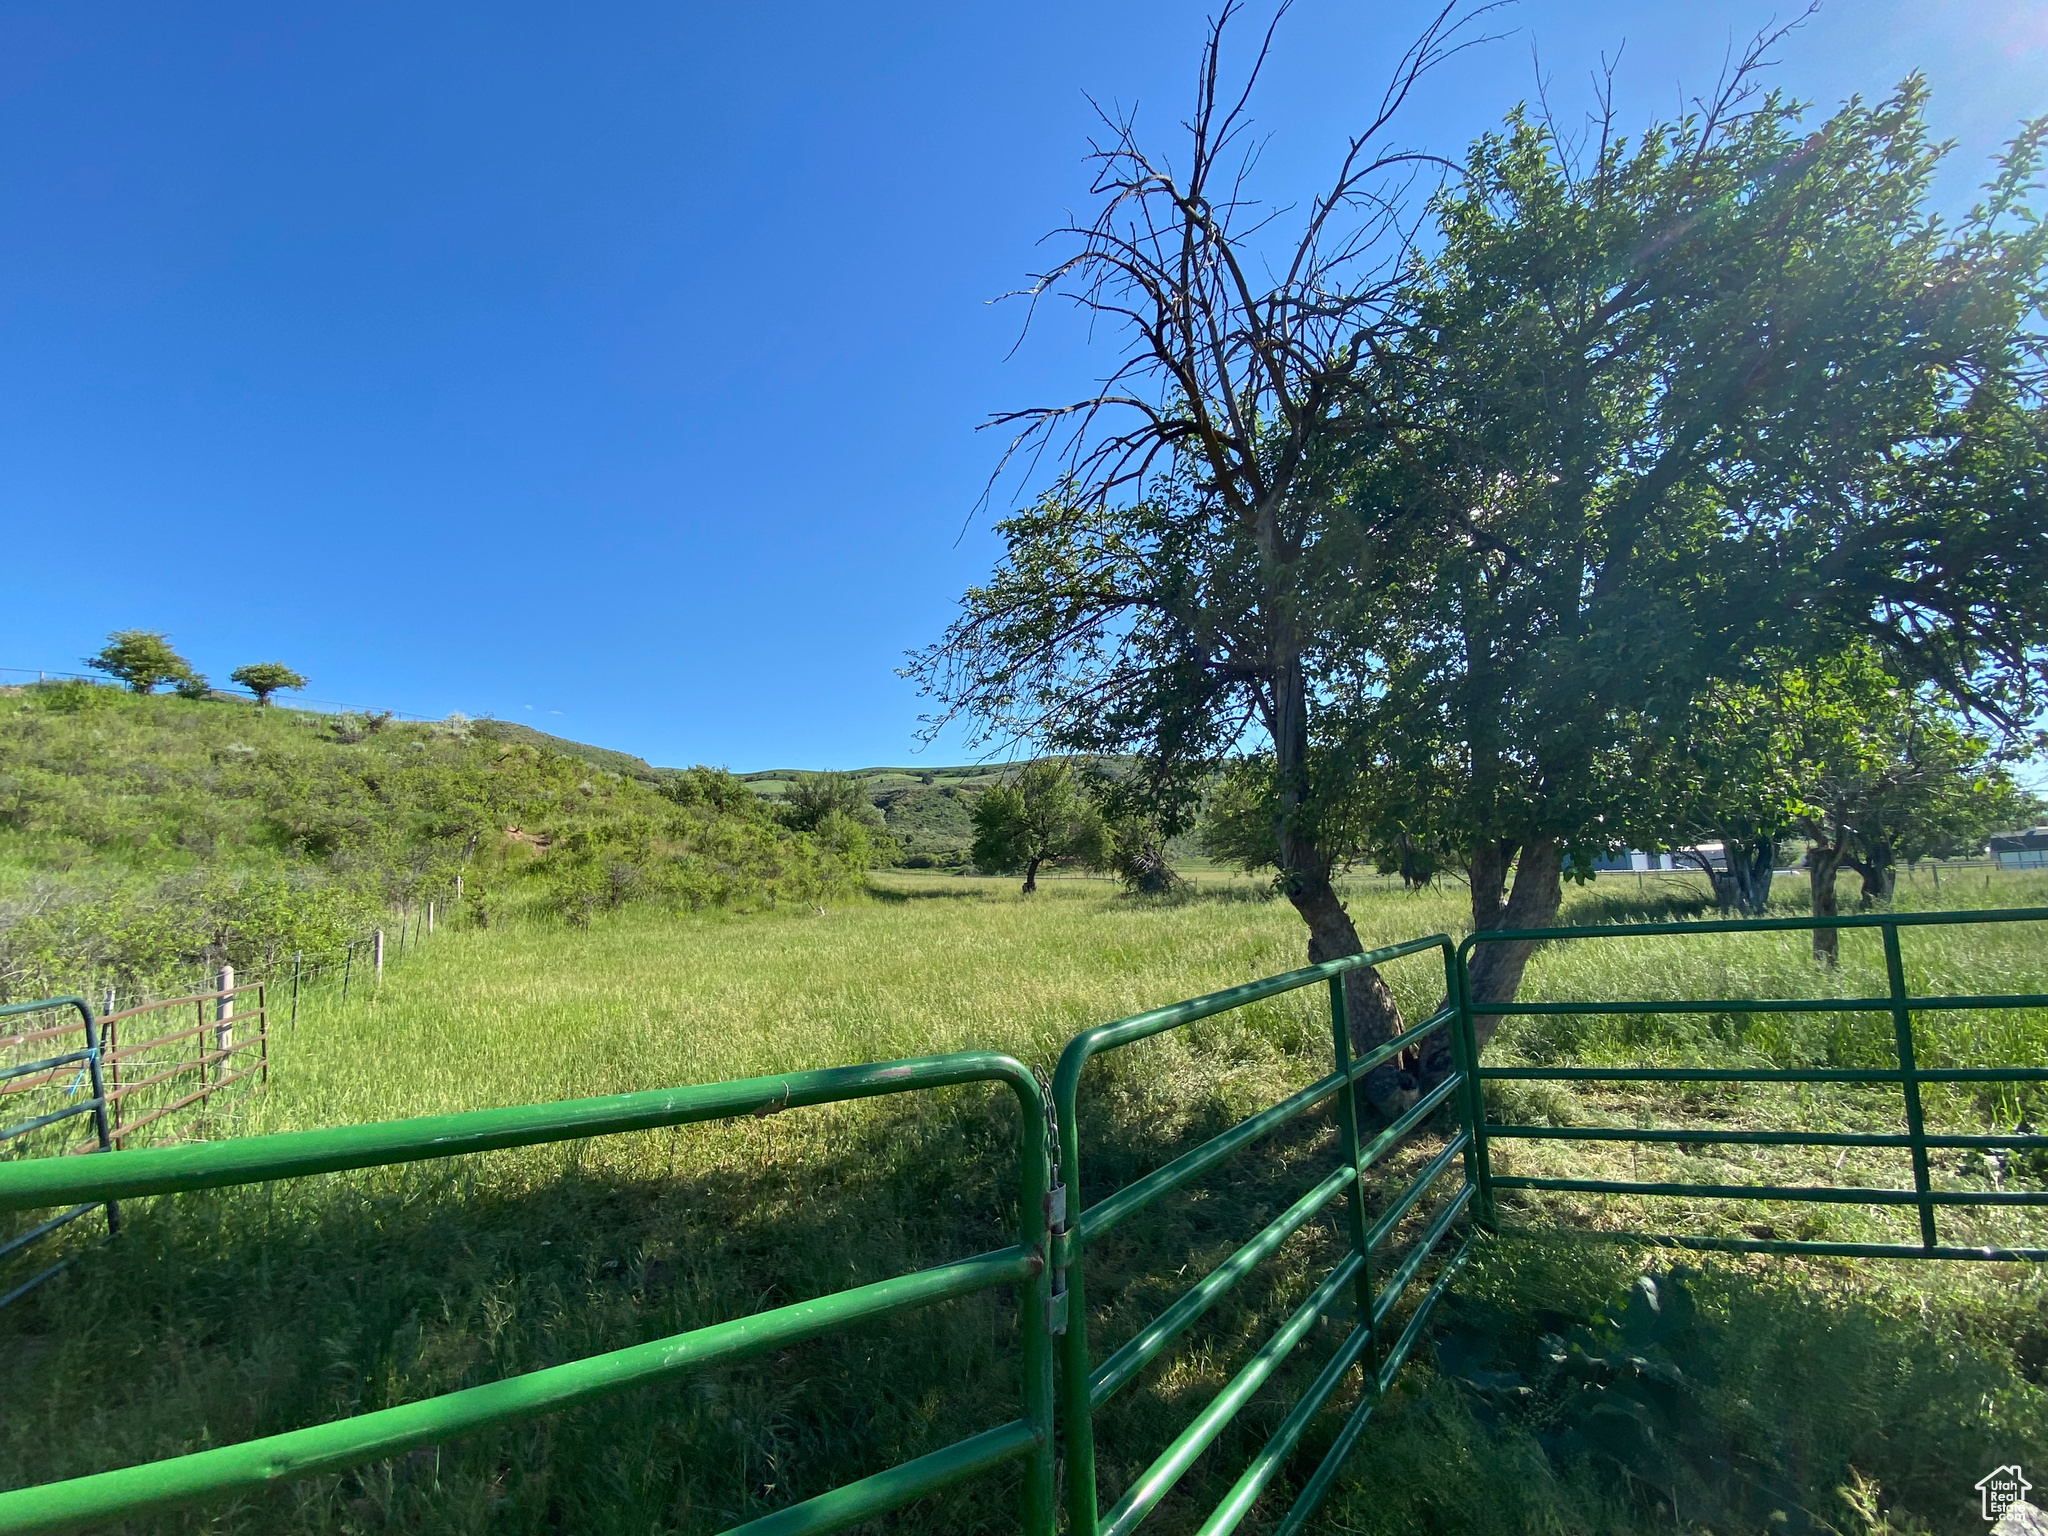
x: 1085, y: 1386
x: 1907, y: 1075
x: 36, y: 1183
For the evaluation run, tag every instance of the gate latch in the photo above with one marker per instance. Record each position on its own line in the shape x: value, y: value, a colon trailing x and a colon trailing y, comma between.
x: 1056, y: 1242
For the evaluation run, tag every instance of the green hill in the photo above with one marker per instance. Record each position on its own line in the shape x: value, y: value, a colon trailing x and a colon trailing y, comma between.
x: 144, y: 838
x: 929, y: 812
x: 623, y: 763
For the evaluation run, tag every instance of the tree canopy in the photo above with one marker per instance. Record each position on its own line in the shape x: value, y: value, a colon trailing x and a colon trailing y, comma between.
x: 1838, y: 752
x: 1039, y: 816
x: 143, y: 659
x: 263, y: 678
x: 1432, y: 541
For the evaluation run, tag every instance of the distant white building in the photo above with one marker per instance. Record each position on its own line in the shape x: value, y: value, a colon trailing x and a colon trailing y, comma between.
x: 2022, y: 850
x: 1632, y: 859
x: 1635, y: 860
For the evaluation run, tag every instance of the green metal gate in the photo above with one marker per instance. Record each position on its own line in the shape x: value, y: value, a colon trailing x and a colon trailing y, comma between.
x: 1450, y: 1196
x: 1350, y: 1286
x: 1907, y: 1075
x: 104, y: 1496
x: 51, y: 1065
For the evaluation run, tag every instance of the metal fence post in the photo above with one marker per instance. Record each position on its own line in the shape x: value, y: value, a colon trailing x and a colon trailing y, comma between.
x: 1035, y: 1213
x: 110, y: 1050
x: 99, y: 1093
x: 1347, y: 1131
x: 1077, y: 1409
x: 1474, y: 1103
x: 1459, y: 981
x: 1916, y: 1125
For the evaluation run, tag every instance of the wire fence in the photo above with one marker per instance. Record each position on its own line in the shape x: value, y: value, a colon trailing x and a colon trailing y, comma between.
x: 351, y: 966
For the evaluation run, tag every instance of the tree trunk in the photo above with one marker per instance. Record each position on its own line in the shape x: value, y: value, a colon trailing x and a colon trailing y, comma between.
x: 1822, y: 862
x: 1372, y: 1017
x: 1880, y: 876
x: 1031, y: 876
x: 1753, y: 863
x: 1748, y: 881
x: 1496, y: 969
x: 1489, y: 876
x: 1532, y: 902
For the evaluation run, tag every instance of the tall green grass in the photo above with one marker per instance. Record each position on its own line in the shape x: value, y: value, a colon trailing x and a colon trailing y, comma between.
x: 221, y: 1316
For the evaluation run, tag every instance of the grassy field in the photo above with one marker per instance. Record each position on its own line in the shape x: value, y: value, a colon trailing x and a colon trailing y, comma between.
x: 222, y: 1316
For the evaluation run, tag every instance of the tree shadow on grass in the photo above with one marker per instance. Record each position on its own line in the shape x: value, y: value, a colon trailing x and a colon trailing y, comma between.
x: 897, y: 896
x: 1601, y: 904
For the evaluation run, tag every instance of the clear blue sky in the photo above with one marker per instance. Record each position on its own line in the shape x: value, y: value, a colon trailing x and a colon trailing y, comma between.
x: 617, y: 369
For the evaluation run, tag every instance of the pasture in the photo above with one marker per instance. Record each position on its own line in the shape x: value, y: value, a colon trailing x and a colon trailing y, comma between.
x: 221, y: 1316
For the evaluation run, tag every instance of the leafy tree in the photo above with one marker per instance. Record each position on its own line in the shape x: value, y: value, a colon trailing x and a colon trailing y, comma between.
x: 141, y: 658
x: 1649, y: 412
x: 193, y: 685
x: 713, y: 788
x: 1140, y: 819
x: 1730, y: 772
x: 1944, y: 793
x: 1040, y: 816
x: 1889, y: 774
x: 815, y: 796
x: 1839, y: 752
x: 834, y: 808
x: 1179, y: 588
x: 263, y: 678
x: 1669, y: 396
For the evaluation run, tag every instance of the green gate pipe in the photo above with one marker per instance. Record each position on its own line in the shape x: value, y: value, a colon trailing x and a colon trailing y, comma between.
x: 1154, y: 1483
x: 1907, y: 1075
x: 83, y: 1501
x: 35, y: 1183
x: 1080, y: 1387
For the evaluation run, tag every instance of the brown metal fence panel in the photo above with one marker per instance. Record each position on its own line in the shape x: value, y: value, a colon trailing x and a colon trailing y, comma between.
x: 193, y: 1056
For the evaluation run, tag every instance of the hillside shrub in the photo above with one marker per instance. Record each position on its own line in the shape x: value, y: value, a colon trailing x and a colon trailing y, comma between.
x: 144, y: 836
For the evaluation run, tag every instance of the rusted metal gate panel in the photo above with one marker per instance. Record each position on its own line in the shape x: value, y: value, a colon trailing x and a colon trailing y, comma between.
x: 184, y: 1051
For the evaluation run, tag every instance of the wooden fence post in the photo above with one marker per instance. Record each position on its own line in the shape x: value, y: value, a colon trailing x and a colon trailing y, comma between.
x: 430, y: 917
x: 377, y: 949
